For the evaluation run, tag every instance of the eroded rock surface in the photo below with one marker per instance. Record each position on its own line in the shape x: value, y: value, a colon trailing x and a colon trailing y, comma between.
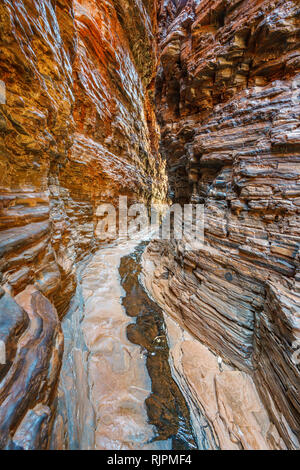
x: 227, y: 93
x: 29, y: 385
x: 77, y: 129
x: 225, y: 407
x: 104, y: 381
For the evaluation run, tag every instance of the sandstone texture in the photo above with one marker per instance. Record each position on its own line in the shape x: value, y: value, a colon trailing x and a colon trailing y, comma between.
x: 77, y: 129
x: 178, y: 100
x: 227, y: 96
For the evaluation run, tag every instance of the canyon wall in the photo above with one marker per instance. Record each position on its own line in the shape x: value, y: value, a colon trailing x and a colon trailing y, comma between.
x: 227, y: 97
x: 77, y: 129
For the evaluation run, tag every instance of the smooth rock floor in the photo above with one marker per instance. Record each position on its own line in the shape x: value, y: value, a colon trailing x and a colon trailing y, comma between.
x: 110, y: 368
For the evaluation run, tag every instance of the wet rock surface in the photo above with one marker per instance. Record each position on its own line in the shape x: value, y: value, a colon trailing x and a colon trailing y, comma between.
x: 166, y: 406
x: 116, y: 390
x: 104, y: 380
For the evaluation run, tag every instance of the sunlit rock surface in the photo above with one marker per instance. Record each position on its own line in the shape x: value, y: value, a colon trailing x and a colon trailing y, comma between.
x: 77, y: 129
x: 227, y: 95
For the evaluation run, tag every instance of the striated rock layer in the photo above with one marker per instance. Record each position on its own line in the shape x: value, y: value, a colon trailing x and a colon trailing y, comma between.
x: 227, y: 95
x: 77, y: 129
x: 226, y: 411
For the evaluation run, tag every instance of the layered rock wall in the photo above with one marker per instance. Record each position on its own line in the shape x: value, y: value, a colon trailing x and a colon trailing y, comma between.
x: 227, y: 94
x: 77, y: 129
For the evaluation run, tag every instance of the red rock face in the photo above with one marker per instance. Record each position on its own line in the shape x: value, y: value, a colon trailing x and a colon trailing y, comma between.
x: 227, y: 93
x: 77, y: 129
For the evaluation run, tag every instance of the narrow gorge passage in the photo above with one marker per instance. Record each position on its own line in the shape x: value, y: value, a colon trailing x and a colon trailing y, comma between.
x: 111, y: 412
x: 111, y: 110
x: 115, y: 393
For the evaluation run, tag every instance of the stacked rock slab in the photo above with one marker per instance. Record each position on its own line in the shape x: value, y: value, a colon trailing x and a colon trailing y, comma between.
x: 77, y: 129
x: 228, y: 100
